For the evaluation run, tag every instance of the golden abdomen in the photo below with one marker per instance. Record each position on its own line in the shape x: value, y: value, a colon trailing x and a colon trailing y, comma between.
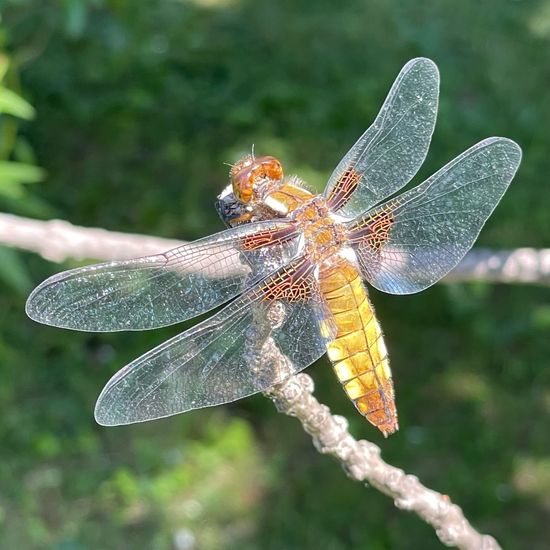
x: 358, y: 352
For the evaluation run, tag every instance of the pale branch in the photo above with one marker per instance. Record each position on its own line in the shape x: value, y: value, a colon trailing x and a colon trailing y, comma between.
x: 362, y: 461
x: 59, y: 241
x: 522, y: 265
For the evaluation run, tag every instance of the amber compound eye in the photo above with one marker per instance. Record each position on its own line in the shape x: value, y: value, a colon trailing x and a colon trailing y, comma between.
x: 239, y: 176
x: 250, y: 173
x: 243, y: 186
x: 272, y: 168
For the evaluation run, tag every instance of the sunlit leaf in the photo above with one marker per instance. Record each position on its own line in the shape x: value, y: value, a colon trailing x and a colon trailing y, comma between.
x: 12, y: 189
x: 4, y: 64
x: 17, y: 172
x: 13, y: 104
x: 76, y: 15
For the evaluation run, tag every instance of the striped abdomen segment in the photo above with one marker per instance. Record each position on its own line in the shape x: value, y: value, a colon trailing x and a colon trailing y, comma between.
x: 358, y: 352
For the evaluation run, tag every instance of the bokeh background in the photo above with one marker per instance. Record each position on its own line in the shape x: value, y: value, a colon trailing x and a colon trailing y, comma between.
x: 130, y: 110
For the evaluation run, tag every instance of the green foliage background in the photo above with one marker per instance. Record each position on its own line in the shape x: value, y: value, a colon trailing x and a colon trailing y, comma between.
x: 138, y: 105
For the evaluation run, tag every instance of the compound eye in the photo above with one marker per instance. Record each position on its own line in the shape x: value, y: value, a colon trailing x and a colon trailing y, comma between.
x: 248, y: 174
x: 243, y: 187
x: 272, y: 168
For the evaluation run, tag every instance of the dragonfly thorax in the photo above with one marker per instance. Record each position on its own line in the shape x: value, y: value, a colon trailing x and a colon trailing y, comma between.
x: 323, y: 235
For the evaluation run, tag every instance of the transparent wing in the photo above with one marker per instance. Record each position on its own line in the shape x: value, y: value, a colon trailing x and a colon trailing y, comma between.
x: 410, y: 242
x: 272, y: 331
x: 163, y: 289
x: 391, y: 151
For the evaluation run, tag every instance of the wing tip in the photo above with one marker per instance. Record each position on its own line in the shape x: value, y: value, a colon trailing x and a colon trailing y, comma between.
x: 35, y: 305
x: 40, y: 311
x: 108, y: 416
x: 104, y: 421
x: 512, y: 146
x: 104, y: 416
x: 107, y: 422
x: 42, y: 305
x: 30, y: 306
x: 426, y: 61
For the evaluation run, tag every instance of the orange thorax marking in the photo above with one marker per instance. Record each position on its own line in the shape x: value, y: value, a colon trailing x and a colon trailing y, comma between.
x: 322, y: 235
x: 290, y: 196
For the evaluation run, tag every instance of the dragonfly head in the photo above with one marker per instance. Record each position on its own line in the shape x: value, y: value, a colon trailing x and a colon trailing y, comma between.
x: 250, y: 176
x: 231, y: 211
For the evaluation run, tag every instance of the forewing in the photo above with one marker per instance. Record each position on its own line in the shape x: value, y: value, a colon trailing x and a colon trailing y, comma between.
x: 269, y: 333
x: 412, y: 241
x: 163, y: 289
x: 391, y: 151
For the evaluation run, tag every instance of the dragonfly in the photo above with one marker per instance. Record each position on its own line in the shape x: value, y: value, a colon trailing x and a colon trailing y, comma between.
x: 291, y: 267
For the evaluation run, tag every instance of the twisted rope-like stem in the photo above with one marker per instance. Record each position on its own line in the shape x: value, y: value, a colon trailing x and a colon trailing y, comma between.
x: 59, y: 240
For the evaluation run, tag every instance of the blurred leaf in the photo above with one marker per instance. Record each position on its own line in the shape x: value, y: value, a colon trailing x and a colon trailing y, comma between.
x: 13, y: 104
x: 23, y: 203
x: 8, y: 137
x: 4, y: 64
x: 23, y: 152
x: 76, y: 14
x: 13, y: 271
x: 12, y: 189
x: 14, y: 173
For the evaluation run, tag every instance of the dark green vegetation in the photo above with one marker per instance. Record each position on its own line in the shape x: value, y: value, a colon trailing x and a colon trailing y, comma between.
x: 138, y: 104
